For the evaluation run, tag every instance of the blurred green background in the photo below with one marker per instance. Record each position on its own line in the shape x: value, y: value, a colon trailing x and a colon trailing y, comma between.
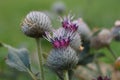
x: 97, y: 13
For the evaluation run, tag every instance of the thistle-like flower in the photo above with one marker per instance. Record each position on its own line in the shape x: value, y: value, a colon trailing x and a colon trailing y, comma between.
x: 62, y: 57
x: 83, y: 29
x: 70, y: 26
x: 116, y: 30
x: 103, y: 39
x: 59, y: 7
x: 61, y: 60
x: 60, y: 38
x: 76, y: 43
x: 35, y: 24
x: 105, y: 36
x: 103, y: 78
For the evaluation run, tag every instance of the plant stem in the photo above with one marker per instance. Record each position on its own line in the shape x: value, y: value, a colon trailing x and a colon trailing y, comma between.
x: 112, y: 52
x: 32, y: 75
x: 39, y: 51
x: 66, y: 75
x: 98, y: 67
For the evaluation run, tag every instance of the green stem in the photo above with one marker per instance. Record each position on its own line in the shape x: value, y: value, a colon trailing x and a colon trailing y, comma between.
x: 98, y: 67
x: 32, y: 75
x: 39, y: 51
x: 66, y: 75
x: 112, y: 52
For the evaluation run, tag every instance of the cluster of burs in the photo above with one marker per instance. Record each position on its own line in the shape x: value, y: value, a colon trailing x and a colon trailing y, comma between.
x: 69, y: 41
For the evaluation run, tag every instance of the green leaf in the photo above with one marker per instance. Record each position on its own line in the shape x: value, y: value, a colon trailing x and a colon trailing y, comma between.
x: 17, y: 58
x: 100, y: 54
x: 87, y: 59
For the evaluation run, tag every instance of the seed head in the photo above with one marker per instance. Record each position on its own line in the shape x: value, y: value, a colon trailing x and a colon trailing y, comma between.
x: 83, y: 29
x: 105, y: 36
x: 35, y: 24
x: 116, y: 31
x: 59, y: 7
x: 117, y: 23
x: 103, y: 39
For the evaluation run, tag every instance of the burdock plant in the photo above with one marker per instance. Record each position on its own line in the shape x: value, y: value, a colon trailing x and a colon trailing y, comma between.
x: 59, y: 7
x: 102, y: 78
x: 62, y: 57
x: 102, y: 40
x: 116, y: 30
x: 71, y: 26
x: 66, y: 53
x: 34, y: 25
x: 83, y: 29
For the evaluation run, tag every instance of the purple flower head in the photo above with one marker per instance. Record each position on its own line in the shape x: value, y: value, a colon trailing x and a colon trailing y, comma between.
x: 103, y: 78
x: 100, y: 78
x: 60, y: 38
x: 73, y: 27
x: 68, y: 24
x: 60, y: 43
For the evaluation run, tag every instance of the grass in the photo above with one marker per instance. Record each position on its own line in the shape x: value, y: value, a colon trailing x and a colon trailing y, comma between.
x: 97, y: 13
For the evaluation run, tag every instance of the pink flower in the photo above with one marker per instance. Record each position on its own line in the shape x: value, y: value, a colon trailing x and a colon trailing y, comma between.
x: 60, y: 38
x: 68, y: 24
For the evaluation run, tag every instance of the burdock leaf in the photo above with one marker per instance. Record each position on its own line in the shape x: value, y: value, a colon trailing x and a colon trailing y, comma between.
x: 17, y: 58
x: 100, y: 54
x: 87, y: 59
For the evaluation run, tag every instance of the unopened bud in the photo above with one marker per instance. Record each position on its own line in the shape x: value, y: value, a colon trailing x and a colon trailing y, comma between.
x: 35, y: 24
